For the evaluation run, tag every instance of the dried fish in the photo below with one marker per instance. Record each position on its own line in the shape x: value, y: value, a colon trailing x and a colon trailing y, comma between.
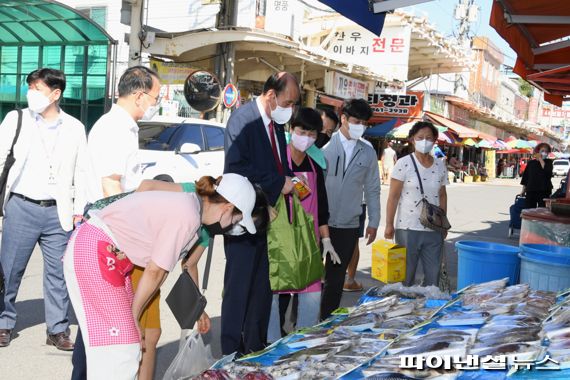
x: 362, y: 319
x: 425, y: 348
x: 402, y: 323
x: 504, y: 349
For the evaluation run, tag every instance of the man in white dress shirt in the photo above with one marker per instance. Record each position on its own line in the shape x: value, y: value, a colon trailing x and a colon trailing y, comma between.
x: 113, y: 144
x: 114, y: 168
x: 45, y: 196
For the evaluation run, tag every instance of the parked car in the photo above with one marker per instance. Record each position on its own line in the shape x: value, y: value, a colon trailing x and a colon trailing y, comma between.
x: 561, y: 167
x: 181, y: 150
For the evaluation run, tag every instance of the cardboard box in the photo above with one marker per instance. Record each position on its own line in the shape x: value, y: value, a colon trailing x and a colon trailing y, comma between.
x: 388, y: 262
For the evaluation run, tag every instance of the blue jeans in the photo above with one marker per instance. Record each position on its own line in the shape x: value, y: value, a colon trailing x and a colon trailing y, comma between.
x: 24, y: 225
x: 308, y: 314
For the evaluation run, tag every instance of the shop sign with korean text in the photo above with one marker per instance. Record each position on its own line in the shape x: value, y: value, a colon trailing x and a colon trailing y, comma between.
x: 279, y: 16
x: 387, y: 106
x: 170, y: 72
x: 386, y: 55
x: 345, y: 87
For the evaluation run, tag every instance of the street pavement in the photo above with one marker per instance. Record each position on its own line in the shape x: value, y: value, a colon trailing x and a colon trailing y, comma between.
x: 476, y: 211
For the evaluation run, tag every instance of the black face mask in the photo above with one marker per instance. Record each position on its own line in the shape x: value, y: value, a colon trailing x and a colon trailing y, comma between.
x: 322, y: 140
x: 216, y: 228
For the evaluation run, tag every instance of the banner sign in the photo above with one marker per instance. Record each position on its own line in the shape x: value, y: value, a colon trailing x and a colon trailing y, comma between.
x: 386, y: 55
x: 385, y: 106
x: 171, y: 72
x: 345, y: 87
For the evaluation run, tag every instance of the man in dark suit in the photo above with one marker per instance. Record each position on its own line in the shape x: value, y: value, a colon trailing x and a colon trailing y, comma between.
x: 255, y: 148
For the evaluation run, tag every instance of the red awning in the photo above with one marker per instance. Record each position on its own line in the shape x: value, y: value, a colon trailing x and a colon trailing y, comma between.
x: 329, y: 100
x: 533, y: 29
x: 458, y: 129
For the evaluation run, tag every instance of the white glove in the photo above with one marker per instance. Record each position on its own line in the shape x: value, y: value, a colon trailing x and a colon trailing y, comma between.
x: 329, y: 249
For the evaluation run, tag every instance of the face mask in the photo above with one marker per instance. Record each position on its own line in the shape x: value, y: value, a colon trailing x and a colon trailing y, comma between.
x: 322, y: 140
x: 216, y: 228
x: 37, y: 101
x: 150, y: 112
x: 544, y: 155
x: 301, y: 143
x: 281, y: 115
x: 355, y: 131
x: 424, y: 146
x: 236, y: 230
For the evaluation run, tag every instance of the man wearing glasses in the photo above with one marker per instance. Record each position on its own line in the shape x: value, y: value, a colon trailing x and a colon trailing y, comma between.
x: 113, y: 142
x: 114, y: 167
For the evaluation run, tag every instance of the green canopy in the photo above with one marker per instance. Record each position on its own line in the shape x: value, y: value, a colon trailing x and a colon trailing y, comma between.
x: 45, y: 33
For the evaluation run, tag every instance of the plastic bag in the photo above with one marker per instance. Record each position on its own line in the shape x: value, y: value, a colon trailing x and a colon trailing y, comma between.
x: 193, y: 357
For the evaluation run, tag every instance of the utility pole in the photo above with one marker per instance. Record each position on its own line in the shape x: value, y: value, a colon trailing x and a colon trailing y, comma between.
x: 466, y: 12
x: 135, y: 43
x: 225, y: 52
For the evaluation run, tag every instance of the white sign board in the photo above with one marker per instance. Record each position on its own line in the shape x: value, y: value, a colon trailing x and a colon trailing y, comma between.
x: 386, y: 55
x: 344, y: 86
x: 279, y: 16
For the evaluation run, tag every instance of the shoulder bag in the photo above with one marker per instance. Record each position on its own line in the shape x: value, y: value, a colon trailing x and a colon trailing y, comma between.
x: 432, y: 216
x: 8, y: 164
x: 186, y: 301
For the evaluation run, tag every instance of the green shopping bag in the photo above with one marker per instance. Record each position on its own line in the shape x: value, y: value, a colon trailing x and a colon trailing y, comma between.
x: 294, y: 256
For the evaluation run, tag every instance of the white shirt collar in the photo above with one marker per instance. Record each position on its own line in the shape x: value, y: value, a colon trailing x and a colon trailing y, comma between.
x: 345, y: 141
x: 266, y: 119
x: 122, y: 113
x: 52, y: 124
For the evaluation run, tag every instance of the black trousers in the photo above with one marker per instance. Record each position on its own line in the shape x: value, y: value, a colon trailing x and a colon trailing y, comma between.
x: 343, y: 240
x: 535, y: 199
x: 246, y: 305
x: 79, y: 359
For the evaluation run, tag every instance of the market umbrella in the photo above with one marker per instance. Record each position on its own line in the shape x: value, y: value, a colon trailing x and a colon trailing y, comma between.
x: 484, y: 144
x: 500, y: 144
x: 403, y: 130
x: 533, y: 143
x: 380, y: 130
x: 469, y: 142
x: 518, y: 144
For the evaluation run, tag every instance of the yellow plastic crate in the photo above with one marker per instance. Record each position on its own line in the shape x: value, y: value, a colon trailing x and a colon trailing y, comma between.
x: 388, y: 262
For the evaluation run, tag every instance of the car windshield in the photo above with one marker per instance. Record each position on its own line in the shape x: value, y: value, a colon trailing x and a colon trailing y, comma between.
x: 561, y: 163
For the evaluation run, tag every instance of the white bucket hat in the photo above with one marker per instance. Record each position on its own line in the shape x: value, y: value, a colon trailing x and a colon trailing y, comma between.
x: 240, y: 192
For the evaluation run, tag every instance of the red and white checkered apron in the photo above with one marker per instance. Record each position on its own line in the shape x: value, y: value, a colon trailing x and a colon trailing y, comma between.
x: 106, y: 305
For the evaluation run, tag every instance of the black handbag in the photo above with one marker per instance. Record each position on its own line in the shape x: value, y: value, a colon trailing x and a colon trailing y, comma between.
x: 186, y: 301
x: 432, y: 216
x: 8, y: 163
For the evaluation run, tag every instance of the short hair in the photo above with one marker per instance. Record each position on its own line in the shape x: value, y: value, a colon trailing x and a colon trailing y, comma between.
x: 54, y: 79
x: 330, y: 114
x: 136, y: 78
x: 421, y: 125
x: 278, y: 82
x: 308, y: 119
x: 358, y: 108
x: 542, y: 145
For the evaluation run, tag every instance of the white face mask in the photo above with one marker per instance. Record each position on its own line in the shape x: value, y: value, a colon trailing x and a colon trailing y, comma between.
x: 302, y: 143
x: 355, y: 131
x: 281, y: 115
x: 37, y: 101
x: 544, y: 155
x: 150, y: 112
x: 424, y: 146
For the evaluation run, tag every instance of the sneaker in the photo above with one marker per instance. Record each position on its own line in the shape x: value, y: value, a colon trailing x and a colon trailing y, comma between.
x: 352, y: 286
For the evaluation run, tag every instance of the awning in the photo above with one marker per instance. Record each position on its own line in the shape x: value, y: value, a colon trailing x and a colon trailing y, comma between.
x: 369, y: 14
x: 329, y: 100
x: 403, y: 131
x: 537, y: 31
x: 359, y: 11
x: 380, y: 130
x: 460, y: 130
x: 514, y: 151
